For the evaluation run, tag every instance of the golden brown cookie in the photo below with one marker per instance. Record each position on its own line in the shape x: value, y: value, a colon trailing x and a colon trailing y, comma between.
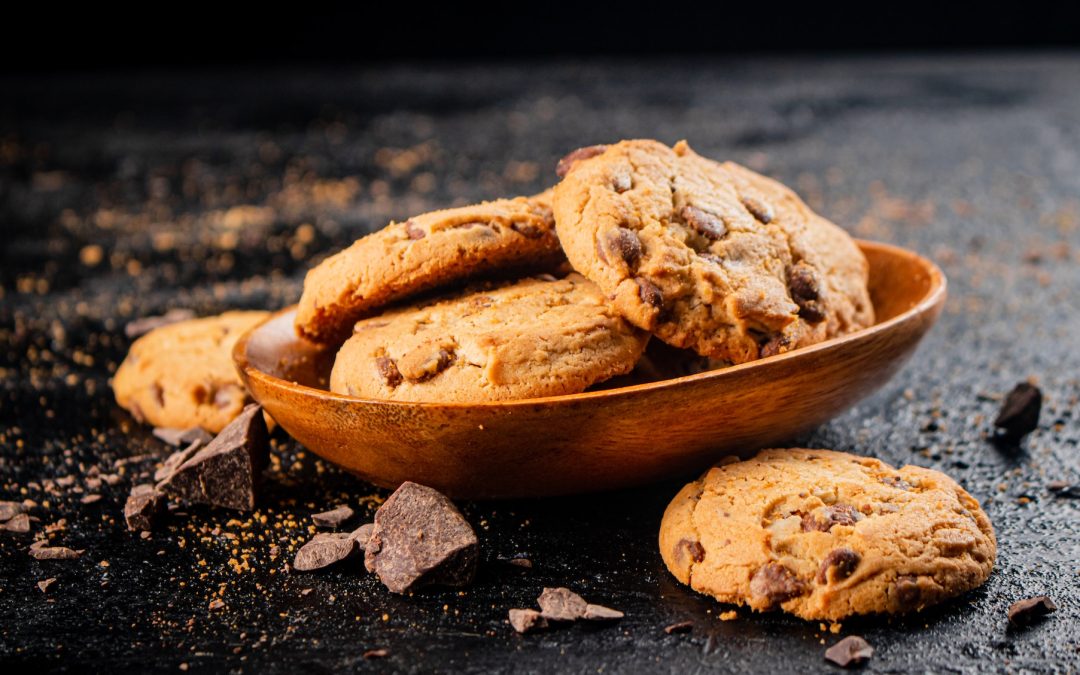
x: 424, y: 253
x: 536, y: 337
x: 825, y: 535
x: 708, y: 256
x: 182, y: 375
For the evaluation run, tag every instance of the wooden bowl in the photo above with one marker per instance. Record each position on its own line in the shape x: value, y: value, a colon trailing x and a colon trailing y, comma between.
x: 597, y: 440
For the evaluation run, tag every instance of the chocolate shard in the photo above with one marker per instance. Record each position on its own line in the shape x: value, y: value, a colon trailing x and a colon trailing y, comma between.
x: 1026, y: 611
x: 361, y: 534
x: 1019, y: 414
x: 44, y: 584
x: 421, y: 539
x: 334, y: 517
x: 851, y: 651
x: 140, y: 327
x: 527, y: 620
x: 143, y: 507
x: 19, y: 524
x: 9, y: 510
x: 561, y: 604
x: 226, y: 472
x: 40, y: 551
x: 601, y: 613
x: 325, y: 549
x: 680, y: 627
x: 775, y: 583
x: 183, y: 437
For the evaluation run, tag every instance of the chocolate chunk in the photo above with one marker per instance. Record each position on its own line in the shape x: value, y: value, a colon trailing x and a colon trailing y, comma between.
x: 388, y: 369
x: 840, y: 514
x: 412, y: 231
x: 361, y: 534
x: 1026, y: 611
x: 691, y: 548
x: 524, y: 563
x: 333, y: 518
x: 421, y: 539
x: 40, y: 551
x: 567, y: 163
x: 601, y: 613
x: 173, y: 461
x: 706, y: 223
x: 381, y: 653
x: 805, y: 291
x: 527, y: 230
x: 9, y: 510
x: 622, y: 182
x: 838, y: 565
x: 140, y: 327
x: 20, y: 524
x: 227, y: 471
x: 851, y: 651
x: 527, y: 620
x: 650, y: 293
x: 622, y: 243
x: 680, y: 627
x: 776, y: 583
x: 1019, y: 414
x: 561, y: 604
x: 325, y: 548
x: 773, y: 346
x: 45, y: 584
x: 143, y: 507
x: 761, y: 211
x: 908, y: 592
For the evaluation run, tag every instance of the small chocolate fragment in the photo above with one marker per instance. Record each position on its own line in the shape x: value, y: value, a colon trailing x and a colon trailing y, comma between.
x: 524, y: 563
x: 140, y: 327
x: 840, y: 514
x: 183, y: 437
x: 44, y: 584
x: 692, y: 548
x: 226, y: 472
x: 761, y: 211
x: 18, y: 524
x: 908, y: 592
x: 9, y: 510
x: 851, y: 651
x: 389, y: 371
x: 376, y: 654
x: 650, y: 293
x: 708, y: 224
x: 40, y: 551
x: 143, y: 507
x: 680, y: 627
x: 1019, y: 414
x: 561, y: 604
x: 773, y: 346
x: 527, y: 620
x: 334, y: 517
x: 776, y: 583
x: 567, y: 163
x: 326, y: 548
x: 421, y: 539
x: 622, y: 182
x: 838, y: 565
x: 173, y: 461
x: 361, y: 534
x: 412, y: 231
x: 805, y: 291
x: 601, y: 613
x: 1026, y: 611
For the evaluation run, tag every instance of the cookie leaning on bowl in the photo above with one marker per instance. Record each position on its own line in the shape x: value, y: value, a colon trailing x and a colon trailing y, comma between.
x: 825, y: 535
x: 707, y: 256
x: 424, y: 253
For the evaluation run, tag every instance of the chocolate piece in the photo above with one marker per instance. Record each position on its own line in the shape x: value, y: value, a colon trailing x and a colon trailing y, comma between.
x: 183, y: 437
x: 773, y: 346
x: 9, y: 510
x: 389, y: 371
x: 624, y: 244
x: 840, y: 514
x: 650, y: 293
x: 524, y: 563
x: 90, y: 499
x: 567, y: 163
x: 708, y: 224
x: 1062, y: 488
x: 527, y: 620
x: 325, y: 548
x: 805, y: 291
x: 333, y: 518
x: 1019, y: 414
x: 362, y: 534
x: 838, y: 565
x: 680, y: 627
x: 140, y: 327
x: 421, y: 539
x: 527, y: 230
x: 1026, y: 611
x: 776, y: 583
x: 173, y: 461
x: 44, y: 584
x: 412, y: 231
x: 601, y: 613
x: 376, y: 654
x: 907, y: 591
x: 143, y: 507
x: 850, y: 651
x: 622, y: 182
x: 227, y: 471
x: 19, y: 524
x: 561, y: 604
x: 692, y: 548
x: 761, y: 211
x: 40, y: 551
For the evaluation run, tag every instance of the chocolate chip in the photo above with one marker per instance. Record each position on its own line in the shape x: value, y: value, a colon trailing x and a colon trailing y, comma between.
x: 181, y: 437
x: 143, y: 507
x: 601, y: 613
x: 44, y: 584
x: 567, y: 163
x: 777, y: 344
x: 140, y: 327
x: 1026, y: 611
x: 805, y: 291
x: 708, y: 224
x: 908, y: 592
x: 776, y: 583
x: 227, y: 471
x: 39, y: 551
x: 527, y: 230
x: 412, y: 231
x: 839, y: 564
x: 680, y: 627
x: 650, y: 293
x: 561, y: 604
x: 421, y: 539
x: 9, y: 510
x: 333, y: 518
x: 691, y: 548
x: 850, y: 651
x: 1019, y: 414
x: 622, y: 182
x: 324, y: 549
x: 388, y: 369
x: 840, y: 514
x: 19, y: 524
x: 761, y: 211
x: 527, y: 620
x: 896, y: 482
x: 159, y: 394
x: 622, y: 243
x: 524, y: 563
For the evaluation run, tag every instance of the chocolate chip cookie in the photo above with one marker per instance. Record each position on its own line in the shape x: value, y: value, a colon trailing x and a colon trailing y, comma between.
x: 825, y: 535
x: 536, y: 337
x: 423, y: 253
x: 182, y: 375
x: 708, y: 256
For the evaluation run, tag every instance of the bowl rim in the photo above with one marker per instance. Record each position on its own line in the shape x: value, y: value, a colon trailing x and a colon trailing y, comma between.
x: 934, y: 297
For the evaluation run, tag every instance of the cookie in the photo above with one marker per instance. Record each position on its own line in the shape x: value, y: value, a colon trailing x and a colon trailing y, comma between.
x: 424, y: 253
x: 708, y: 256
x: 182, y: 375
x: 825, y: 535
x: 536, y: 337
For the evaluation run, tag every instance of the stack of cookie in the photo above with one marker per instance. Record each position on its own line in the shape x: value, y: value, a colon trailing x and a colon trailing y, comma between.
x: 716, y: 261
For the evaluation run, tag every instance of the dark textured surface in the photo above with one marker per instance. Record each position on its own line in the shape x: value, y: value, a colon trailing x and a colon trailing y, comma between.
x: 125, y: 196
